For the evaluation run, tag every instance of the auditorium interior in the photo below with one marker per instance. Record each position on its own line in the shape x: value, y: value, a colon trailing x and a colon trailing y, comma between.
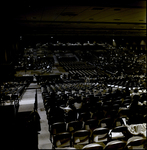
x: 73, y: 75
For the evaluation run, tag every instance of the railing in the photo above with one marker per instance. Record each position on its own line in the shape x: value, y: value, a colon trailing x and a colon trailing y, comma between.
x: 36, y: 102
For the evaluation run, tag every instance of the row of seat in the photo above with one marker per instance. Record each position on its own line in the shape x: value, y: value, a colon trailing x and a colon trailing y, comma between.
x: 100, y: 116
x: 81, y: 140
x: 83, y: 73
x: 94, y: 111
x: 96, y: 88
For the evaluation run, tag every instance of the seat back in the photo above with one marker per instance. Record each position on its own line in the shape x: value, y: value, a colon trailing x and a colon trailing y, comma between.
x: 106, y: 123
x: 58, y: 127
x: 83, y: 116
x: 136, y: 142
x: 119, y: 132
x: 74, y: 126
x: 71, y: 116
x: 91, y: 124
x: 100, y: 134
x: 62, y: 140
x: 93, y: 146
x: 81, y: 137
x: 116, y: 144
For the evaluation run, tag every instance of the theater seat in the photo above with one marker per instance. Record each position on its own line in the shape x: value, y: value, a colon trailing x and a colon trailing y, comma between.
x: 136, y: 142
x: 94, y: 146
x: 62, y: 140
x: 56, y: 128
x: 115, y: 145
x: 118, y: 133
x: 74, y: 126
x: 100, y: 135
x: 81, y: 138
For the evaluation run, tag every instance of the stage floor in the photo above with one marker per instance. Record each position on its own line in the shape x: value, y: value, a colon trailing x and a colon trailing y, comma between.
x: 55, y: 71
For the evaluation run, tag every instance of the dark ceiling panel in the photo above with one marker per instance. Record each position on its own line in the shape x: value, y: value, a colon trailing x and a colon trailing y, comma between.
x: 75, y: 17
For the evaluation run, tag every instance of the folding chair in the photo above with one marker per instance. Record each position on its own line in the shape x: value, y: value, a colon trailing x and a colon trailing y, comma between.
x: 81, y: 138
x: 136, y: 142
x: 56, y: 128
x: 54, y: 119
x: 100, y: 135
x: 118, y: 133
x: 83, y: 116
x: 106, y: 123
x: 62, y: 140
x: 93, y: 146
x: 91, y: 124
x: 116, y: 144
x: 74, y: 126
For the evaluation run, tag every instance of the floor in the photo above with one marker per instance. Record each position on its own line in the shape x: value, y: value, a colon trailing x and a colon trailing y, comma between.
x: 56, y: 70
x: 20, y: 73
x: 27, y: 104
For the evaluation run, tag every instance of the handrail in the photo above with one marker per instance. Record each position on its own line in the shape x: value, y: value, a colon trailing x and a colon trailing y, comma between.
x: 36, y: 102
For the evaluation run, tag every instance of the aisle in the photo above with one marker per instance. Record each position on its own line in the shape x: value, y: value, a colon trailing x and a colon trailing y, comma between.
x: 26, y: 103
x: 43, y: 137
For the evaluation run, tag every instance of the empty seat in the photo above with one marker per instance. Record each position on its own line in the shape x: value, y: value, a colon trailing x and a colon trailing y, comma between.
x: 136, y: 142
x: 90, y: 146
x: 100, y: 135
x: 74, y: 126
x: 83, y: 116
x: 62, y: 140
x: 118, y: 133
x: 81, y: 138
x: 106, y: 123
x: 56, y: 128
x: 115, y: 145
x: 91, y: 124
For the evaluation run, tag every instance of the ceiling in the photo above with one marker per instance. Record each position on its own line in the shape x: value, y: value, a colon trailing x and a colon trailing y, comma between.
x: 107, y: 17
